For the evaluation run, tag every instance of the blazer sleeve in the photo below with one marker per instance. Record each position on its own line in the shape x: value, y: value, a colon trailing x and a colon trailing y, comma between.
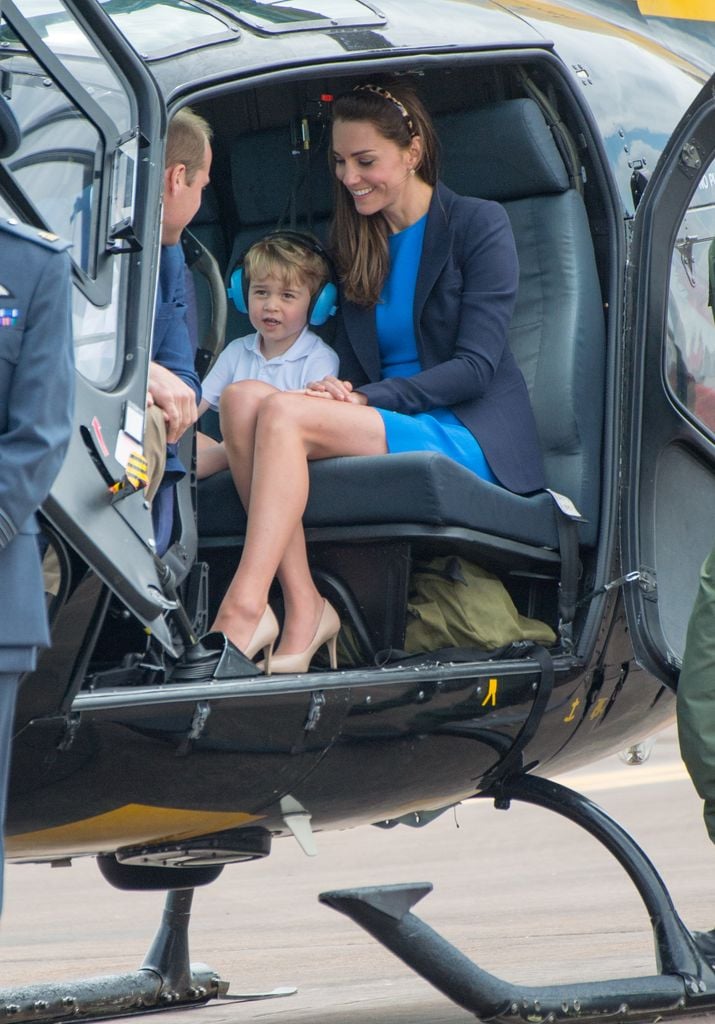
x: 473, y: 301
x: 41, y: 397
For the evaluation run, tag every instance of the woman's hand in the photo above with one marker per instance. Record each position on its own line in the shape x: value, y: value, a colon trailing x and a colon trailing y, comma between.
x: 338, y: 390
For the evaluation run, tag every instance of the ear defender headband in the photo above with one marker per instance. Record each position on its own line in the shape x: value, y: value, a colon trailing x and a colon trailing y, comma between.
x: 322, y: 305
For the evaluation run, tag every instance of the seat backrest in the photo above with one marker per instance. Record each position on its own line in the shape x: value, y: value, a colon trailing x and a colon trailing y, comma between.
x: 274, y: 185
x: 506, y: 152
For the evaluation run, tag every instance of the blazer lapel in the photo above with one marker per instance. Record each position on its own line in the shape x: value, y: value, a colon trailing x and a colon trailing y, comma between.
x: 435, y: 249
x: 361, y: 330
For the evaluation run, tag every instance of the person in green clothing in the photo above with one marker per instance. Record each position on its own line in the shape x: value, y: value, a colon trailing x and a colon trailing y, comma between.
x: 696, y: 710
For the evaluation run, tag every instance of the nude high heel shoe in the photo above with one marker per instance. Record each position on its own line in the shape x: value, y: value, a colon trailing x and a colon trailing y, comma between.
x: 264, y: 637
x: 325, y: 633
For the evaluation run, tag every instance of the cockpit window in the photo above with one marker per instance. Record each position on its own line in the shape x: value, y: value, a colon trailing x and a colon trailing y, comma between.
x: 155, y: 28
x: 690, y: 346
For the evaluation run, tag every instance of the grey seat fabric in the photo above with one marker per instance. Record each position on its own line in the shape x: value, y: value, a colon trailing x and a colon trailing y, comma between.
x: 273, y: 188
x: 504, y: 152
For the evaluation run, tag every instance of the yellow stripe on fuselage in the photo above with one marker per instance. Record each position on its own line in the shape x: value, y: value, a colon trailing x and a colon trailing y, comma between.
x: 689, y: 10
x: 131, y: 825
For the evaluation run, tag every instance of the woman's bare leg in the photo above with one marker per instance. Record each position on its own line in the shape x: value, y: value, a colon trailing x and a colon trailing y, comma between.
x: 238, y: 412
x: 290, y: 430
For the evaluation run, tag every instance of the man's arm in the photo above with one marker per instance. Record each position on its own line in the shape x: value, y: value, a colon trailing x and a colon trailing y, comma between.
x: 174, y: 397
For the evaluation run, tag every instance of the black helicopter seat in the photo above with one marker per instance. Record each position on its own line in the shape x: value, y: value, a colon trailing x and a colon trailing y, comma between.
x: 423, y: 500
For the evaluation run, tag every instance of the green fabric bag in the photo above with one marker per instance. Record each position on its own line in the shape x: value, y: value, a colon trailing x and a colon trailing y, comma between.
x: 454, y: 603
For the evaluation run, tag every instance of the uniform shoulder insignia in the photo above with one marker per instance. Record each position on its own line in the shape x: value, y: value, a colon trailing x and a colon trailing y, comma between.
x: 47, y: 239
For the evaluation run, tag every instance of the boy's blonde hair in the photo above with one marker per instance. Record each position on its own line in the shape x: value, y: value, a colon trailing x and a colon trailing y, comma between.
x: 293, y: 262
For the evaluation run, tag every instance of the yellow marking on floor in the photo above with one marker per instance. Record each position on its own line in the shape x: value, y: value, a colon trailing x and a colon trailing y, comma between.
x: 130, y: 825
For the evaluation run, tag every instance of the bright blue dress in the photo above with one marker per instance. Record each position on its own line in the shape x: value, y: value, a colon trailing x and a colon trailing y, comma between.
x: 438, y: 430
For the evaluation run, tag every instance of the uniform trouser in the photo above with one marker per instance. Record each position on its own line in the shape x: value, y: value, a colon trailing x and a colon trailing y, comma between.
x: 8, y: 693
x: 696, y: 694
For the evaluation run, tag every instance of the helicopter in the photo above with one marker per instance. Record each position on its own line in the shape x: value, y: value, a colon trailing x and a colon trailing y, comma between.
x: 153, y: 745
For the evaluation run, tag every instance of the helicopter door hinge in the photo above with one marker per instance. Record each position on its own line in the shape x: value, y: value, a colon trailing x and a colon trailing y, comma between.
x: 198, y: 724
x: 317, y: 703
x: 71, y: 725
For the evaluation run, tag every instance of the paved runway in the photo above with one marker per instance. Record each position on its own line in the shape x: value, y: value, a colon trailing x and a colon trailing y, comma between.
x: 525, y: 894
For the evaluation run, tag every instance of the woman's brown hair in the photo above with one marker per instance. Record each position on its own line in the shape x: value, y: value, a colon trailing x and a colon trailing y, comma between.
x: 359, y: 243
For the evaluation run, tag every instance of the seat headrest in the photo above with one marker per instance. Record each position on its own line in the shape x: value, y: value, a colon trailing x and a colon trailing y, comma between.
x: 504, y: 151
x: 262, y: 170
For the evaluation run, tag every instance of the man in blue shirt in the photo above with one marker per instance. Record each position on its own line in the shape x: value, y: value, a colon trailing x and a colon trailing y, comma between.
x: 174, y: 387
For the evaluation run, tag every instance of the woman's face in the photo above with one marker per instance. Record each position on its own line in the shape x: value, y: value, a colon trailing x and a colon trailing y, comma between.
x: 375, y: 170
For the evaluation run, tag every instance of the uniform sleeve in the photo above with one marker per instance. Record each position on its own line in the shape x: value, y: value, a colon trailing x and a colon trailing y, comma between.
x: 40, y: 402
x: 322, y: 362
x: 484, y: 283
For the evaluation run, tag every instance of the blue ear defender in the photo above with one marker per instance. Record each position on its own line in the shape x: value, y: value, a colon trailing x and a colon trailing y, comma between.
x: 323, y: 304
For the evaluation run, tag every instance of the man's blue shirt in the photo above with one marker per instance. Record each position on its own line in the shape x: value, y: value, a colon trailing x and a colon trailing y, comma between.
x: 172, y: 348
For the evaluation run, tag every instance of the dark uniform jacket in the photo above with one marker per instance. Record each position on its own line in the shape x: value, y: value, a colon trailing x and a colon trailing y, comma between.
x: 464, y: 299
x: 36, y: 405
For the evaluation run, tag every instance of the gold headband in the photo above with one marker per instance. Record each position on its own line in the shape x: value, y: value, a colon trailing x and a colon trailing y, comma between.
x: 379, y: 91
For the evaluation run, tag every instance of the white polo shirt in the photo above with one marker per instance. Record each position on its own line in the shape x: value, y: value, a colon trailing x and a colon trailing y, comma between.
x: 308, y: 358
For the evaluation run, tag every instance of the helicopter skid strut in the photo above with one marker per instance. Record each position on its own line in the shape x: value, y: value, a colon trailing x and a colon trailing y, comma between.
x: 685, y: 982
x: 165, y: 980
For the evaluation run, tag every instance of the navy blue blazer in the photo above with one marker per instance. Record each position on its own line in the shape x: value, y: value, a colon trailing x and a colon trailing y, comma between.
x: 36, y: 407
x: 464, y: 300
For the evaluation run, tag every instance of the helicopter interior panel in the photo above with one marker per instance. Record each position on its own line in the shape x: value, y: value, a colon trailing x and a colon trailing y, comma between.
x: 368, y: 518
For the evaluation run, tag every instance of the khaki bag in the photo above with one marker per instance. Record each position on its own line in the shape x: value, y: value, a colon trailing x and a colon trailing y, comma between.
x: 454, y: 603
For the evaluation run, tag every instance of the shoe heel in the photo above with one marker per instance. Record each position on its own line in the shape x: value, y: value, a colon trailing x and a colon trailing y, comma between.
x: 267, y: 655
x: 332, y: 643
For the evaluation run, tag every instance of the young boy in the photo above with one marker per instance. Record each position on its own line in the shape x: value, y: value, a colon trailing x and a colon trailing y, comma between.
x: 283, y: 279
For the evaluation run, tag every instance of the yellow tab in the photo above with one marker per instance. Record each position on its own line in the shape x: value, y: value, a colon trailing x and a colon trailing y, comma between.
x: 49, y: 236
x: 491, y: 697
x: 690, y: 10
x: 572, y: 714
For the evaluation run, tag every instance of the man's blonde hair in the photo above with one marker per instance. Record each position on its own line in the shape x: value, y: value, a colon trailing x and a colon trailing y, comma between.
x: 186, y: 141
x: 291, y: 261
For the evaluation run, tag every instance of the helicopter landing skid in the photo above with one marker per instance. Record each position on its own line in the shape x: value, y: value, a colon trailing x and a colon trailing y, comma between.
x: 685, y: 982
x: 166, y: 980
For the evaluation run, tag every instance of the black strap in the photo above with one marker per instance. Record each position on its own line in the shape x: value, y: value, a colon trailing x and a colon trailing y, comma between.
x: 513, y: 763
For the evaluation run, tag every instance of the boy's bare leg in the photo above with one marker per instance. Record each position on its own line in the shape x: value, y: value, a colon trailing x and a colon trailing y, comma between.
x: 210, y: 456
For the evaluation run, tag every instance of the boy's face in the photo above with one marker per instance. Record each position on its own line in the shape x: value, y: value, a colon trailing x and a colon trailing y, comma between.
x: 279, y: 312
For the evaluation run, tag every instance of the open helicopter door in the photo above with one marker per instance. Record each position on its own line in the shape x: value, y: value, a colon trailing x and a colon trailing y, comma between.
x: 668, y: 458
x: 90, y: 170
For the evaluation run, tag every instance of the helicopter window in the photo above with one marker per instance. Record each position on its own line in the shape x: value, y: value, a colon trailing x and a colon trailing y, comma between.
x: 690, y: 346
x: 156, y: 28
x: 78, y: 122
x: 292, y: 15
